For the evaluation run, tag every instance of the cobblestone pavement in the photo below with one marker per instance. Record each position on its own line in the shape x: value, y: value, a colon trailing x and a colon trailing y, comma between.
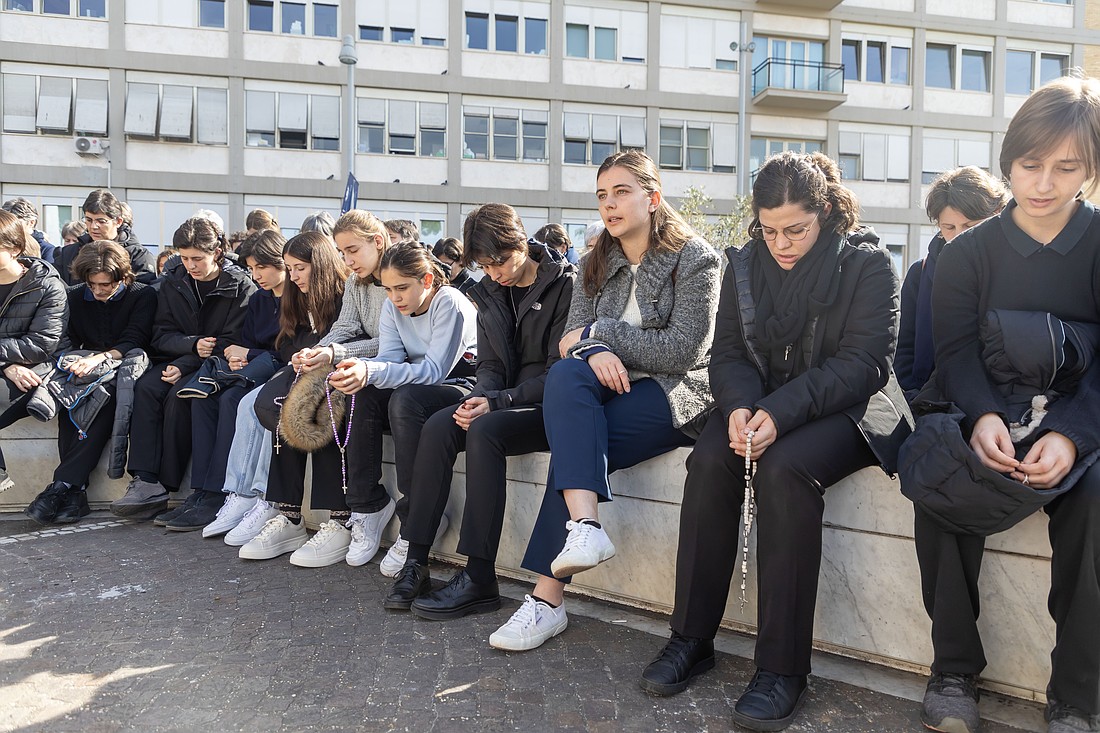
x: 115, y: 626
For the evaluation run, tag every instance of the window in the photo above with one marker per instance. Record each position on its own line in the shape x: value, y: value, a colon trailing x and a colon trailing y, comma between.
x: 761, y: 148
x: 672, y: 142
x: 84, y: 8
x: 695, y: 41
x: 874, y: 156
x: 944, y: 150
x: 55, y: 7
x: 25, y: 6
x: 691, y: 146
x: 605, y: 44
x: 954, y: 67
x: 402, y: 127
x: 212, y: 13
x: 477, y: 31
x: 1027, y: 70
x: 874, y: 61
x: 292, y: 121
x: 186, y: 114
x: 899, y: 65
x: 796, y: 64
x: 589, y: 139
x: 604, y: 48
x: 507, y: 33
x: 54, y: 105
x: 324, y: 20
x: 534, y: 36
x: 515, y: 134
x: 261, y: 15
x: 294, y: 18
x: 505, y: 135
x: 370, y: 33
x: 93, y: 8
x: 402, y: 35
x: 425, y: 41
x: 576, y: 40
x: 475, y: 134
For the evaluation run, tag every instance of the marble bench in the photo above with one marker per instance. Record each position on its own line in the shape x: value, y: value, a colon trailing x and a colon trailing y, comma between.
x: 869, y: 604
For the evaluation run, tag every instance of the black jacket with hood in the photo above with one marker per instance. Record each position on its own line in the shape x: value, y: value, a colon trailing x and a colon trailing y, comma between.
x: 848, y: 349
x: 142, y: 261
x: 515, y: 353
x: 34, y: 318
x: 180, y: 321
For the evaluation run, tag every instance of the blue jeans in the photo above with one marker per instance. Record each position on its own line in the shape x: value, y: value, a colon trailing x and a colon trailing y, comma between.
x: 593, y: 431
x: 250, y: 455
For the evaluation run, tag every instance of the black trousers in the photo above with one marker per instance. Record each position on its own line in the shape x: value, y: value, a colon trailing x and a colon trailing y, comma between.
x: 13, y: 407
x: 488, y: 443
x: 408, y: 409
x: 950, y: 565
x: 791, y: 478
x: 213, y: 423
x: 160, y: 429
x: 80, y: 457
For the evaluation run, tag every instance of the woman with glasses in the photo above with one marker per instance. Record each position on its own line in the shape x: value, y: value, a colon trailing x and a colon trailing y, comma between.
x: 105, y: 219
x: 801, y: 373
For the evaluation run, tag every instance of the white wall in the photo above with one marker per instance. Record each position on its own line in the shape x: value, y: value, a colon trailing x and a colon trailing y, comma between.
x: 182, y: 41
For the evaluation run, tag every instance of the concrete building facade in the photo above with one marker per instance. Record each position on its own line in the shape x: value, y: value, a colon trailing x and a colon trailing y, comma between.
x: 238, y: 104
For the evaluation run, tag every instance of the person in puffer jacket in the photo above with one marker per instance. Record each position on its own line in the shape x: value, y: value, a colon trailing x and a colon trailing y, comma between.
x: 201, y: 308
x: 33, y: 317
x: 109, y: 316
x: 104, y: 218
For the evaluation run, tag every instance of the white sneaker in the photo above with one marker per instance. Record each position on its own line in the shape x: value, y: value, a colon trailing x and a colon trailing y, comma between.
x: 327, y: 547
x: 278, y: 537
x: 395, y: 559
x: 585, y: 548
x: 251, y: 523
x: 366, y: 534
x: 532, y: 624
x: 229, y: 516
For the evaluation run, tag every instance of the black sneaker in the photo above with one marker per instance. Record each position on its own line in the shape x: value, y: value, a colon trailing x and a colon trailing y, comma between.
x: 412, y: 580
x: 681, y: 659
x: 74, y: 505
x: 1063, y: 718
x: 44, y: 507
x: 202, y: 512
x: 770, y: 702
x: 460, y: 597
x: 164, y: 518
x: 951, y: 703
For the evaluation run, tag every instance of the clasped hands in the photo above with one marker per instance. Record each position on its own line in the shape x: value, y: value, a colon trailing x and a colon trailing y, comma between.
x: 742, y: 421
x: 1045, y: 465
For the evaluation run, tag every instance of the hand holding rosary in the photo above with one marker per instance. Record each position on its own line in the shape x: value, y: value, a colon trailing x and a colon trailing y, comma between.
x: 748, y: 511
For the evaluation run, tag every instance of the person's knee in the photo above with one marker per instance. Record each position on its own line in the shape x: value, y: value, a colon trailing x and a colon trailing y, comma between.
x: 405, y: 404
x: 567, y: 374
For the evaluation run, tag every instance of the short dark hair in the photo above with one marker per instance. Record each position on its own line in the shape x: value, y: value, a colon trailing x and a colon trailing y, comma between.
x: 554, y: 235
x: 491, y: 232
x: 808, y: 180
x: 200, y: 233
x: 102, y: 256
x: 265, y: 246
x: 408, y: 230
x: 260, y: 219
x: 969, y: 190
x: 22, y: 208
x: 448, y: 247
x: 102, y: 201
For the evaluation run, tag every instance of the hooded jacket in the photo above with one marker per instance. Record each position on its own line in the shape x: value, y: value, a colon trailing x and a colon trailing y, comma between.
x: 180, y: 321
x: 34, y: 318
x: 142, y: 261
x: 848, y: 350
x: 514, y: 353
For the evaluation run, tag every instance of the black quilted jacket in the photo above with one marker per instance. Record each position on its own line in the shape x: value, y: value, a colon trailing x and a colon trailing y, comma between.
x: 34, y: 318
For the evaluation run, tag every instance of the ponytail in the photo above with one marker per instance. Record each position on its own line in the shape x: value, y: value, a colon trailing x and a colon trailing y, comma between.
x: 412, y: 259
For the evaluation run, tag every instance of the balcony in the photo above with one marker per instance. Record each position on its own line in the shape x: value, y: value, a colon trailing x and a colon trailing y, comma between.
x: 811, y: 4
x: 801, y: 85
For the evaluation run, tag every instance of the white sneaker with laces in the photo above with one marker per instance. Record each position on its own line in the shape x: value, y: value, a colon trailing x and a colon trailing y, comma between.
x: 229, y: 516
x: 366, y: 533
x: 585, y: 548
x: 251, y: 523
x: 531, y: 625
x: 327, y: 547
x: 395, y: 558
x: 278, y: 537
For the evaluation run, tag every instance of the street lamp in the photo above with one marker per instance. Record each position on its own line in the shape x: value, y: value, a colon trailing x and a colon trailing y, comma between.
x: 746, y: 50
x: 350, y: 58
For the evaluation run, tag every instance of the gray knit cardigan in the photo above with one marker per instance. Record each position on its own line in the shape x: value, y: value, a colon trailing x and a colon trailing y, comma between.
x: 355, y: 333
x: 677, y: 294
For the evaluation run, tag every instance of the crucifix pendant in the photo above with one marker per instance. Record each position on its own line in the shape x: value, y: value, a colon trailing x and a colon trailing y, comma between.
x: 277, y: 446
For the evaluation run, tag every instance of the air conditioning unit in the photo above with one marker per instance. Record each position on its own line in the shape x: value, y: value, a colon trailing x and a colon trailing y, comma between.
x: 91, y: 146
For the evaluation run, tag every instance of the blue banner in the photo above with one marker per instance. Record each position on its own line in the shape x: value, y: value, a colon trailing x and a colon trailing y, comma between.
x: 351, y: 194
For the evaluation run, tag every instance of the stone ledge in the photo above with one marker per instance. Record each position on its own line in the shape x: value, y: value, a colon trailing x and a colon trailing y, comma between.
x: 869, y: 604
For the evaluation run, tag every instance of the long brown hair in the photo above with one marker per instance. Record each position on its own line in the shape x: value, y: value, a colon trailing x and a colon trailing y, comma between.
x: 326, y: 285
x: 668, y: 233
x: 13, y: 237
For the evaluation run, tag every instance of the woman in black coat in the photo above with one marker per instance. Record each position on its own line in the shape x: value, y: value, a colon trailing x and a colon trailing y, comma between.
x: 201, y: 307
x: 801, y: 374
x: 33, y: 316
x: 109, y: 315
x: 522, y: 305
x: 104, y: 221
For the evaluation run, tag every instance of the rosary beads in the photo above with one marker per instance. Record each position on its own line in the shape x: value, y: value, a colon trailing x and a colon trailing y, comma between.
x: 748, y: 510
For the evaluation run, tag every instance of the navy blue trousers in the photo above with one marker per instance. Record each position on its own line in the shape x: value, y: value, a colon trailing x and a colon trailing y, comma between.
x: 593, y: 431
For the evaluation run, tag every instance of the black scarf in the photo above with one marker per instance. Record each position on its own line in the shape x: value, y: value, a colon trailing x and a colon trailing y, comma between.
x: 787, y: 300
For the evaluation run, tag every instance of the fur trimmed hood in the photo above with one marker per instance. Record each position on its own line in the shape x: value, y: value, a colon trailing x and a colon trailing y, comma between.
x: 304, y: 420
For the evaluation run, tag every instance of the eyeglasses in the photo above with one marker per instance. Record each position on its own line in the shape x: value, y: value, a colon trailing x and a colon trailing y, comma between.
x: 794, y: 233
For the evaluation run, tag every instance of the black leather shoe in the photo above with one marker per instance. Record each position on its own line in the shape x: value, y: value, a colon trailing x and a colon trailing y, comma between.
x: 770, y: 702
x: 74, y: 505
x: 43, y: 509
x: 460, y: 597
x: 164, y: 518
x: 681, y: 659
x: 201, y: 512
x: 412, y: 580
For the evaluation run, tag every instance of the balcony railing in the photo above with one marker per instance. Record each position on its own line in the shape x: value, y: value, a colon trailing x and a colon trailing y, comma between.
x: 808, y: 76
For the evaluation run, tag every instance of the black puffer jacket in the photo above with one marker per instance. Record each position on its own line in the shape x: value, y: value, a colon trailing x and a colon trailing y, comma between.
x: 141, y: 260
x: 514, y: 354
x: 849, y: 351
x: 34, y: 318
x: 181, y: 321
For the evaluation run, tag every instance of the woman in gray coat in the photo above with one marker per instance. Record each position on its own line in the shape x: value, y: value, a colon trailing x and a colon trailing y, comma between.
x: 631, y: 382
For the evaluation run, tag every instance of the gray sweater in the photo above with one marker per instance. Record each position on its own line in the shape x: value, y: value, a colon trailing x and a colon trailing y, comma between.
x: 355, y: 333
x: 677, y: 294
